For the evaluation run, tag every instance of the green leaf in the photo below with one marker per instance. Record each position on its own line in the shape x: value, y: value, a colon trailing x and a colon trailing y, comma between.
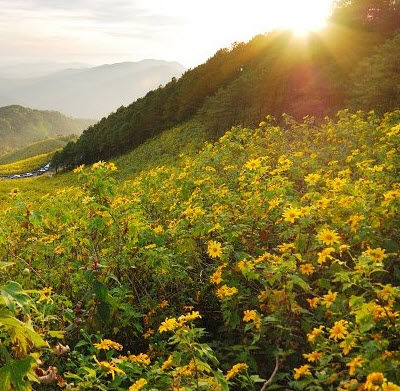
x: 300, y: 282
x: 12, y: 293
x: 356, y: 301
x: 14, y: 374
x: 4, y: 265
x: 219, y: 376
x: 21, y: 332
x: 57, y: 334
x: 365, y: 317
x: 100, y: 290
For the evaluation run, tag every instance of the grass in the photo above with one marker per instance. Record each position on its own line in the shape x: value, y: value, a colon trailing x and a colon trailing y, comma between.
x: 32, y: 150
x: 26, y: 165
x: 162, y: 149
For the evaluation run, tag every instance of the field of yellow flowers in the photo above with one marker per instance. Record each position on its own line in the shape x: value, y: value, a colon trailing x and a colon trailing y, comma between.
x: 267, y: 261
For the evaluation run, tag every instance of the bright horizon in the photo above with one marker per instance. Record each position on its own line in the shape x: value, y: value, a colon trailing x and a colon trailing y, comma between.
x: 97, y: 32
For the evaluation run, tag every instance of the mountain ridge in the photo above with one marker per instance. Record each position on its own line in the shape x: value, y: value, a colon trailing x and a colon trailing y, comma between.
x: 21, y: 126
x: 89, y: 92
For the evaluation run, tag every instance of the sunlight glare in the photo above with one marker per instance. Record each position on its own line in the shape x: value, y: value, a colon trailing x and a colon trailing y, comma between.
x: 300, y: 16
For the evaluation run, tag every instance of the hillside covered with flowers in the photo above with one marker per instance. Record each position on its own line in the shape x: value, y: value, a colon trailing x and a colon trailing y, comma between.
x: 267, y: 261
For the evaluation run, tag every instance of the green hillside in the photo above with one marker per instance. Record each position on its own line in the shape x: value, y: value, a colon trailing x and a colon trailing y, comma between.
x: 274, y: 73
x: 20, y: 126
x: 271, y: 250
x: 26, y: 165
x: 37, y: 148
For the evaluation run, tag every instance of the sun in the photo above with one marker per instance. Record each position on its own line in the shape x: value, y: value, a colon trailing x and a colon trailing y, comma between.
x: 302, y: 16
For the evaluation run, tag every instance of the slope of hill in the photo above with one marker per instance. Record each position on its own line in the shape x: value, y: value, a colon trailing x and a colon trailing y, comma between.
x: 274, y: 73
x: 21, y: 126
x: 90, y: 92
x: 272, y: 250
x: 25, y: 165
x: 37, y: 148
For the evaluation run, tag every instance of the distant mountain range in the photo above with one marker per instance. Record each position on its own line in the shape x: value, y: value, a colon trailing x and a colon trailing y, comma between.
x: 84, y: 92
x: 35, y: 69
x: 21, y: 126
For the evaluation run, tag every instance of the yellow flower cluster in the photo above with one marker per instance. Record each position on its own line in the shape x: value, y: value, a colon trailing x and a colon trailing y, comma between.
x: 107, y: 344
x: 225, y: 292
x: 237, y: 368
x: 171, y: 324
x: 138, y: 385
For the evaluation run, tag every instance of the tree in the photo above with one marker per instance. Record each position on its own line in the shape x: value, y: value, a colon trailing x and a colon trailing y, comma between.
x: 382, y: 16
x: 376, y: 81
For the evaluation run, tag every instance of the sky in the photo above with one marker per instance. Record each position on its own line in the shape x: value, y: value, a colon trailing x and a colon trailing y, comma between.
x: 109, y: 31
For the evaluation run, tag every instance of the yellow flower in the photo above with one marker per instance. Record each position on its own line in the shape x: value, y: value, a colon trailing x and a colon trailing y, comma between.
x: 142, y: 359
x: 111, y: 166
x: 313, y: 302
x: 355, y: 363
x: 374, y: 381
x: 307, y: 269
x: 108, y: 367
x: 164, y: 304
x: 253, y: 164
x: 214, y: 249
x: 354, y: 221
x: 98, y: 165
x: 390, y: 387
x: 312, y: 179
x: 189, y: 317
x: 328, y: 237
x: 216, y: 278
x: 387, y: 293
x: 226, y: 291
x: 390, y: 196
x: 235, y: 370
x: 45, y: 295
x: 138, y: 385
x: 323, y: 203
x: 301, y: 371
x: 286, y: 247
x: 148, y: 334
x: 158, y: 229
x: 107, y: 344
x: 311, y: 337
x: 78, y: 169
x: 274, y: 203
x: 169, y: 324
x: 252, y: 316
x: 167, y: 364
x: 291, y: 214
x: 377, y: 254
x: 329, y: 298
x: 325, y: 254
x: 348, y: 344
x: 313, y: 357
x: 339, y: 330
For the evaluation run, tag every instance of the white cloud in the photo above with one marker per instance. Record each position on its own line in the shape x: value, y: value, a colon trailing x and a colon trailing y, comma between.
x: 98, y: 31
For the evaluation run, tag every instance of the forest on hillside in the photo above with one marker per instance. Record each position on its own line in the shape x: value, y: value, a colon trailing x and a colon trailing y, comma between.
x: 21, y: 126
x: 274, y: 73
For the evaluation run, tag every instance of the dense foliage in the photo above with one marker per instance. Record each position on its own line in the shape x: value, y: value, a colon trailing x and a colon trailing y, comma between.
x: 271, y: 254
x: 376, y: 81
x: 20, y: 126
x: 382, y: 16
